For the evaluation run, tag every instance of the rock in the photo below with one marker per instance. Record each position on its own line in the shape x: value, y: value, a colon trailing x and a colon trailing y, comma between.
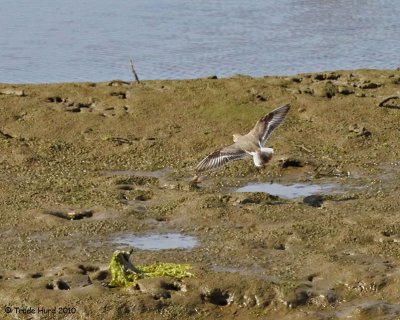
x: 319, y: 76
x: 279, y: 246
x: 324, y: 89
x: 326, y: 76
x: 345, y: 90
x: 359, y: 130
x: 4, y: 135
x: 77, y: 215
x: 296, y: 79
x: 306, y: 90
x: 58, y: 285
x: 261, y: 97
x: 368, y: 85
x: 55, y: 99
x: 314, y: 200
x: 291, y: 162
x: 71, y: 215
x: 120, y: 94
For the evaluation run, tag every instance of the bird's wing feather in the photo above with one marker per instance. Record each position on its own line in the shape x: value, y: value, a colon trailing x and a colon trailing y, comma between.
x: 221, y: 157
x: 264, y: 127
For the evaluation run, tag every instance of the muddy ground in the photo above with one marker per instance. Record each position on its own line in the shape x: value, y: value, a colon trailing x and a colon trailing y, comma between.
x: 123, y: 155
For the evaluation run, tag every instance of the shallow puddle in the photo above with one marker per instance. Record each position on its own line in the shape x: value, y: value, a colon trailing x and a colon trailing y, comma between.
x: 157, y: 241
x: 291, y: 191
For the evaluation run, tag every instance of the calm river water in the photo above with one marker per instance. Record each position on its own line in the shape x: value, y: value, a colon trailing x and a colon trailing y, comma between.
x: 92, y: 40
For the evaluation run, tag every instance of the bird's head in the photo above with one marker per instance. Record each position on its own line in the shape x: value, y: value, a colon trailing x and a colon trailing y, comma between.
x: 236, y: 136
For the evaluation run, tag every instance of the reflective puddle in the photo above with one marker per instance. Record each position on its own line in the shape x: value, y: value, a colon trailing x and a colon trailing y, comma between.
x: 157, y: 241
x: 291, y: 191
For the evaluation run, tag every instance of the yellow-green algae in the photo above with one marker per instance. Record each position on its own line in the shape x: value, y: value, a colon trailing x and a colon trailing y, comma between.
x: 124, y: 273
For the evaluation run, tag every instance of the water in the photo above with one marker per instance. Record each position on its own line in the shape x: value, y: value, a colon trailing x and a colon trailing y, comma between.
x: 92, y: 40
x: 157, y: 241
x: 291, y: 191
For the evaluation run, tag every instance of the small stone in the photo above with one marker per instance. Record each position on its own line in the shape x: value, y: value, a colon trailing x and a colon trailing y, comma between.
x: 121, y: 95
x: 58, y: 285
x: 319, y: 76
x: 296, y: 79
x: 314, y: 200
x: 77, y: 215
x: 345, y: 90
x: 359, y: 130
x: 324, y: 89
x: 261, y: 97
x: 291, y: 162
x: 55, y: 99
x: 326, y: 76
x: 279, y: 246
x: 306, y: 90
x: 369, y: 85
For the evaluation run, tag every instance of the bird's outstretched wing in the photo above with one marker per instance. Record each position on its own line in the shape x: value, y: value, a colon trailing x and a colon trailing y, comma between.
x: 221, y: 157
x: 264, y: 127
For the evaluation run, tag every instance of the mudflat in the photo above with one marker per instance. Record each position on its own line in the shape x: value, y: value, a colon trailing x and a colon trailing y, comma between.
x: 89, y: 168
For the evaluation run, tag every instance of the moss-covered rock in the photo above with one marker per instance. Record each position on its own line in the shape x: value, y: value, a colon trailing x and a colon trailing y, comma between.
x: 124, y: 273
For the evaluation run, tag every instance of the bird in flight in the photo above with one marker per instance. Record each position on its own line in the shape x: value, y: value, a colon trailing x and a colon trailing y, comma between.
x: 251, y: 144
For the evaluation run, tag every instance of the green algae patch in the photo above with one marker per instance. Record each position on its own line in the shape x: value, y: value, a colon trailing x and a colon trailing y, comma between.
x: 124, y: 273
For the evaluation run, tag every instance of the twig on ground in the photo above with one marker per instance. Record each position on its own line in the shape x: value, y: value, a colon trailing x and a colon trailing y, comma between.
x: 303, y: 147
x: 133, y: 71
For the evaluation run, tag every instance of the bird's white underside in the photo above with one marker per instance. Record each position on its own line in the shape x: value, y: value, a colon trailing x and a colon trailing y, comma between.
x: 257, y: 156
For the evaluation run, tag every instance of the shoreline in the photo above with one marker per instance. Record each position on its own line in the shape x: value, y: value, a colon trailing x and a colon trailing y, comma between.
x: 211, y: 76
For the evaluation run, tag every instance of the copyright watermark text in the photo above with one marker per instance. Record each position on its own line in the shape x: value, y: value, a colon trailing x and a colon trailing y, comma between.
x: 39, y: 310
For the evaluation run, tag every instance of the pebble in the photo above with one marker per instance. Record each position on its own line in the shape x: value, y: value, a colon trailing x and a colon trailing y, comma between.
x: 314, y: 200
x: 345, y: 90
x: 359, y: 130
x: 324, y: 89
x: 368, y: 85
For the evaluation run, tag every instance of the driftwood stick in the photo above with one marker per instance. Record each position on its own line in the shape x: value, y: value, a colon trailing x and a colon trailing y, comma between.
x: 301, y: 146
x: 387, y: 99
x: 133, y: 71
